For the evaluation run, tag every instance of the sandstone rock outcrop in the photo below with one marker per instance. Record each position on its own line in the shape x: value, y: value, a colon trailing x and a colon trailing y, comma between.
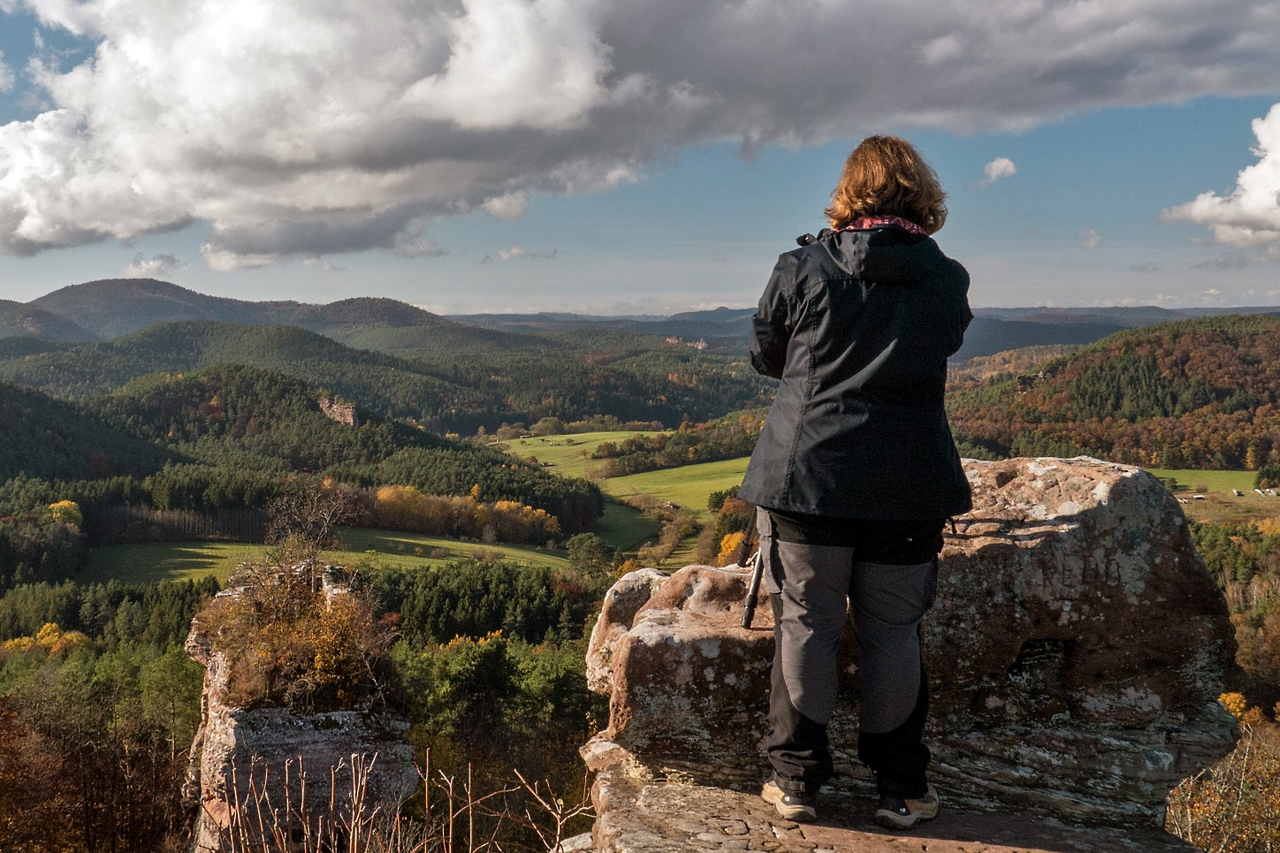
x: 1076, y: 650
x: 238, y: 753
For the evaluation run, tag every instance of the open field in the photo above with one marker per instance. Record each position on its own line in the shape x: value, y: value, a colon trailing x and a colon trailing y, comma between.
x: 625, y: 527
x: 153, y: 562
x: 1190, y: 480
x: 158, y: 561
x: 1219, y: 504
x: 686, y: 487
x: 567, y: 455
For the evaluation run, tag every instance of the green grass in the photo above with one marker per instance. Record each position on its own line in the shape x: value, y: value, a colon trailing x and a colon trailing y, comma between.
x: 688, y: 486
x: 1219, y: 505
x: 161, y: 561
x: 158, y: 561
x: 625, y: 527
x: 395, y: 550
x: 567, y: 455
x: 1190, y: 480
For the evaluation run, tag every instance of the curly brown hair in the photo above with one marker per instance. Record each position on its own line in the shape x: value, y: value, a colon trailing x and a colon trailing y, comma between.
x: 886, y: 176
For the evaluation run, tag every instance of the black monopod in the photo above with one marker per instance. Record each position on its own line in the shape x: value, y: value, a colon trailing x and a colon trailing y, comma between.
x: 751, y: 539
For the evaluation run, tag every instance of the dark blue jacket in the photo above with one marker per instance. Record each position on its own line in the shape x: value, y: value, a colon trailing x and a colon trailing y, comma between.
x: 858, y: 326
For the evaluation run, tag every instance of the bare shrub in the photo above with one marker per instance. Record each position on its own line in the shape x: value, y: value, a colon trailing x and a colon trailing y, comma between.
x: 1234, y: 806
x: 455, y: 816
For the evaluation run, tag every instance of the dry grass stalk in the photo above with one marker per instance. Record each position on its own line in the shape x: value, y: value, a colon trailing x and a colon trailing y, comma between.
x: 261, y: 823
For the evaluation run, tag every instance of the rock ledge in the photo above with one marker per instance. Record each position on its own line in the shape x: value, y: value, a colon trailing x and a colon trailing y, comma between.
x: 1077, y: 649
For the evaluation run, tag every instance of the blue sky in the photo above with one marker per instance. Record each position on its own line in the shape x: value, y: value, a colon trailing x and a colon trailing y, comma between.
x: 638, y: 157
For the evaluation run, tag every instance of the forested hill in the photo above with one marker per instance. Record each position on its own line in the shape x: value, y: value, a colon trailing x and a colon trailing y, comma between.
x: 42, y: 437
x: 250, y: 417
x: 454, y: 383
x: 114, y: 307
x: 28, y: 321
x: 377, y: 381
x: 1192, y: 394
x: 201, y: 454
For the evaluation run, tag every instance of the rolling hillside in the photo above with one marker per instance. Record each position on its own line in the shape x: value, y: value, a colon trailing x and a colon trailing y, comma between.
x: 28, y: 321
x: 377, y: 381
x: 448, y: 378
x: 43, y: 437
x: 114, y: 307
x: 1193, y: 394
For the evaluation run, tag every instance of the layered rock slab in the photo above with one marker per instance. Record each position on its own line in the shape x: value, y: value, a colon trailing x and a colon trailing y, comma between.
x: 1076, y: 650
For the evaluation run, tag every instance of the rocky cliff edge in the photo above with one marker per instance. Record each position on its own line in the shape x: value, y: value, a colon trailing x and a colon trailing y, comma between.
x: 1076, y: 651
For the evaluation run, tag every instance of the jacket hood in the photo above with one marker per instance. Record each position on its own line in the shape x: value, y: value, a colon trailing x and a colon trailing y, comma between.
x: 888, y: 255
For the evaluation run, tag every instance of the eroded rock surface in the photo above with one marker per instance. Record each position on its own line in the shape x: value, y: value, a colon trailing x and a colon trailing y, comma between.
x: 239, y: 752
x: 646, y: 812
x: 1076, y: 650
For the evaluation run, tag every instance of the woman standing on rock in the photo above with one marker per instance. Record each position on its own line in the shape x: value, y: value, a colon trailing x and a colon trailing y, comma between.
x: 855, y: 473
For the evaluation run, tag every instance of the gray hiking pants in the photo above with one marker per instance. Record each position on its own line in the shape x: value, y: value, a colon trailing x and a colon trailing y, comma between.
x: 812, y: 590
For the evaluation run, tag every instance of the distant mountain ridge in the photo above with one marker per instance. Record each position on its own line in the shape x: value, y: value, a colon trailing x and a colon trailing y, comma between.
x: 111, y: 308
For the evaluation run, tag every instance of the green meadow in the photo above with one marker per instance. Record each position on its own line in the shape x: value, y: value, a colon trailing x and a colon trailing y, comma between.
x: 158, y: 561
x: 687, y: 487
x: 1190, y: 480
x: 1219, y: 505
x: 625, y: 527
x: 621, y: 526
x: 567, y: 455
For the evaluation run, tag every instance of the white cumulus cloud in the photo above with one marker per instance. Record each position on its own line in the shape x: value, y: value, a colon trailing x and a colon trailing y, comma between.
x: 6, y: 75
x: 309, y: 128
x: 520, y: 253
x: 510, y: 206
x: 1001, y: 167
x: 1249, y: 217
x: 1090, y: 239
x: 156, y: 266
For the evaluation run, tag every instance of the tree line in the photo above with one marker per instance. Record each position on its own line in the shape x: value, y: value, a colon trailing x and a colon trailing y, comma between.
x: 460, y: 387
x: 98, y: 701
x: 728, y: 437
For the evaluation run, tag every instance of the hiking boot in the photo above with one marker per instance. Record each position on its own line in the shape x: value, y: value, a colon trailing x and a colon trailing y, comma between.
x: 801, y: 808
x: 900, y: 813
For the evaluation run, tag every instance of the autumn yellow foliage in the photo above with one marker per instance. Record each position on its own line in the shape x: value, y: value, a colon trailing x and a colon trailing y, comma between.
x: 1234, y: 703
x: 1268, y: 526
x: 287, y: 642
x: 406, y: 508
x: 49, y: 641
x: 729, y: 544
x: 67, y: 512
x: 1234, y: 806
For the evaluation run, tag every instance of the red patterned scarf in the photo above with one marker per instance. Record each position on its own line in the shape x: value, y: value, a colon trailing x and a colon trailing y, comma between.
x: 867, y: 222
